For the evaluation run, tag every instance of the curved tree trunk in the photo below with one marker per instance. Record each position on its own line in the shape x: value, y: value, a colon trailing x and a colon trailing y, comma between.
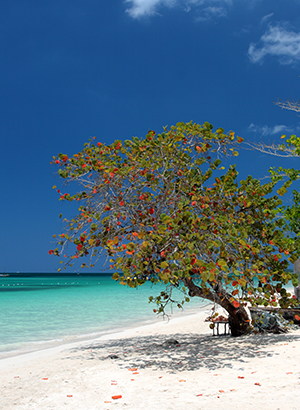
x: 238, y: 318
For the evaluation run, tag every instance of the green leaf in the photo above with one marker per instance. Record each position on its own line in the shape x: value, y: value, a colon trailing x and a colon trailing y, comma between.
x: 282, y: 191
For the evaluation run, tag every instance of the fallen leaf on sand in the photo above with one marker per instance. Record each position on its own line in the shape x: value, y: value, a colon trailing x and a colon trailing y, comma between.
x: 254, y: 372
x: 221, y: 391
x: 232, y: 389
x: 114, y: 384
x: 116, y: 397
x: 289, y: 372
x: 45, y: 378
x: 197, y: 395
x: 133, y: 369
x: 257, y: 384
x: 182, y: 380
x: 241, y: 377
x: 69, y: 395
x: 135, y: 373
x: 106, y: 401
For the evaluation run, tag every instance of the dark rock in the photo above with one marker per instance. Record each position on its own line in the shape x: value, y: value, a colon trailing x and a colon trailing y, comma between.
x: 171, y: 342
x: 112, y: 356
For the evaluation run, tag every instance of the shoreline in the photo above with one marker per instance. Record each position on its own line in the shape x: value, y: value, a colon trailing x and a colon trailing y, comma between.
x: 46, y: 317
x: 67, y: 341
x: 195, y: 371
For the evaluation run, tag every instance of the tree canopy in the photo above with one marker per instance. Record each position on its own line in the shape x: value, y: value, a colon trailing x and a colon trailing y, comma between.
x: 164, y: 209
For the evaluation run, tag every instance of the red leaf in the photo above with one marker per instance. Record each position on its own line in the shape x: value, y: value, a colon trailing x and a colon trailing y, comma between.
x: 235, y: 304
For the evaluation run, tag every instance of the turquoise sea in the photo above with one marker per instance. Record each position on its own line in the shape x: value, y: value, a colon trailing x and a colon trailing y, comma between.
x: 42, y: 311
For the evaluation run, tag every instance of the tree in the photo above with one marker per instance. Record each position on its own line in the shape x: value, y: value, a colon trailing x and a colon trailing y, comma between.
x: 153, y: 206
x: 292, y: 216
x: 291, y: 148
x: 289, y: 105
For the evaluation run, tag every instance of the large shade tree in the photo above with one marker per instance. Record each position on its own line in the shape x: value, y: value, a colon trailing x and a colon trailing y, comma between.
x: 290, y: 148
x: 164, y: 210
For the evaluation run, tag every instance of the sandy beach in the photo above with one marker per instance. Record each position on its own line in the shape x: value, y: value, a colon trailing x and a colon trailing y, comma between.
x: 139, y: 369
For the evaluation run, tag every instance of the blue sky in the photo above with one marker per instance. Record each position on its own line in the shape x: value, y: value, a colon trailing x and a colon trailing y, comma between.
x: 115, y: 69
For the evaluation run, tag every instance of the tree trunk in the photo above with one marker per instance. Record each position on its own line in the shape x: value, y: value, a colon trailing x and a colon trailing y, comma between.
x: 239, y: 320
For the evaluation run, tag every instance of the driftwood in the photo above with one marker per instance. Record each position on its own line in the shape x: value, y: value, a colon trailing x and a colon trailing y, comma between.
x: 289, y: 314
x: 274, y: 320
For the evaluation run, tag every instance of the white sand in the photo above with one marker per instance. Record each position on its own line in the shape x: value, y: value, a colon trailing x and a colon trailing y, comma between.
x: 202, y: 372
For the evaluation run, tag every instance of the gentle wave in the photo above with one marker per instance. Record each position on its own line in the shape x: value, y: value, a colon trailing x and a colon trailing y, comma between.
x: 38, y: 311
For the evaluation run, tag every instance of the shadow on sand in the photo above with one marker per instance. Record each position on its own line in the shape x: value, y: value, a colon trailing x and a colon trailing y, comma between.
x: 161, y: 352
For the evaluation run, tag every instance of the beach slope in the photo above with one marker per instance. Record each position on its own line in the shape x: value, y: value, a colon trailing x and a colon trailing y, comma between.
x: 166, y: 365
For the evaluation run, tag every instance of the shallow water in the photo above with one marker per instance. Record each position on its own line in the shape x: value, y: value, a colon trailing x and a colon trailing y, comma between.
x: 39, y: 311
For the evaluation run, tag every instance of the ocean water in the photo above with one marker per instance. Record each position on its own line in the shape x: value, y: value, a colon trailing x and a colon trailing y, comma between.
x: 38, y: 311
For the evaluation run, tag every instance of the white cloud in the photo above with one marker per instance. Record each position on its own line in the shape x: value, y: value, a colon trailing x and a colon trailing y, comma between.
x: 266, y: 130
x: 265, y: 18
x: 207, y: 8
x: 139, y: 8
x: 212, y: 12
x: 276, y: 41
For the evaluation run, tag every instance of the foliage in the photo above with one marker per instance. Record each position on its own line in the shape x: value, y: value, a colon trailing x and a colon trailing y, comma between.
x: 292, y: 214
x: 164, y: 210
